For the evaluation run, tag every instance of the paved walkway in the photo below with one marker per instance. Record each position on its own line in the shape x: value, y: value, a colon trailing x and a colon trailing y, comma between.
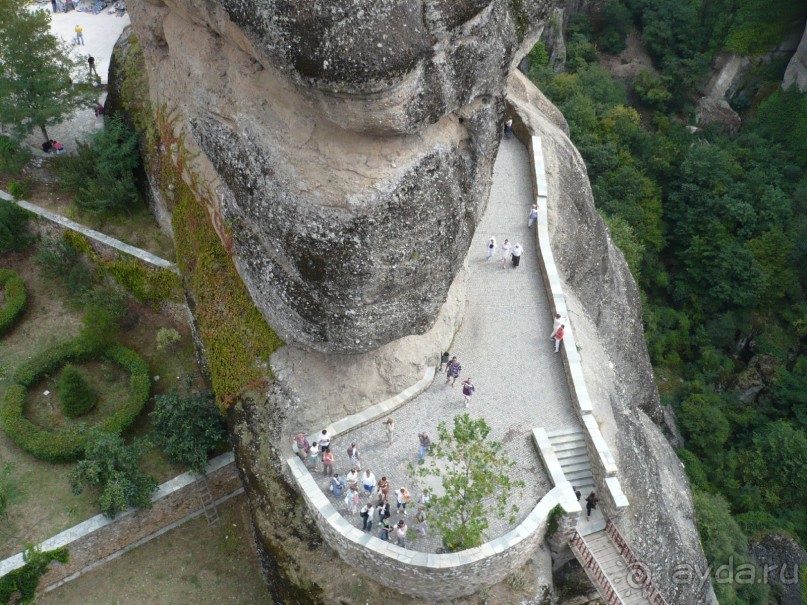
x: 503, y: 346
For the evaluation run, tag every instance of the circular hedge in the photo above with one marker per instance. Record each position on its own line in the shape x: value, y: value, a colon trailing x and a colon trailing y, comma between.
x: 67, y: 445
x: 16, y: 297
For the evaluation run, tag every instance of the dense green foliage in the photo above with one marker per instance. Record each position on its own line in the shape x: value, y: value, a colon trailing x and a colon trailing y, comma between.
x: 188, y: 425
x: 13, y: 289
x: 714, y: 229
x: 13, y: 233
x: 67, y: 444
x: 13, y: 156
x: 75, y: 393
x: 39, y: 81
x: 102, y: 171
x: 22, y: 582
x: 475, y: 476
x: 112, y: 466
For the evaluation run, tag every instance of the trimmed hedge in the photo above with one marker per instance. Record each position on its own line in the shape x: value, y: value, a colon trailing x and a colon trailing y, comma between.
x: 68, y: 445
x: 16, y: 297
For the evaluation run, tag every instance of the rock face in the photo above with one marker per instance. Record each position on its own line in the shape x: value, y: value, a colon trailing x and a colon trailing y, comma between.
x: 606, y: 316
x: 796, y: 72
x: 347, y: 145
x: 783, y: 558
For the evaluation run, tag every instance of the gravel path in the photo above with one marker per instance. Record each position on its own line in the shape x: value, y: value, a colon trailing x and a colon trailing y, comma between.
x: 502, y: 345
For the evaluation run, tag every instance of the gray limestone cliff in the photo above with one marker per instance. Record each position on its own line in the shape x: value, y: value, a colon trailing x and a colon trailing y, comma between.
x: 606, y: 315
x: 348, y: 146
x: 796, y: 72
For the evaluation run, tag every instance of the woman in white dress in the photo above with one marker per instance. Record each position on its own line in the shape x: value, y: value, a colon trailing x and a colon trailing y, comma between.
x: 491, y: 248
x: 505, y: 252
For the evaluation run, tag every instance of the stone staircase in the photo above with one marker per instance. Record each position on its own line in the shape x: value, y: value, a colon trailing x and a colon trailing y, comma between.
x: 571, y: 451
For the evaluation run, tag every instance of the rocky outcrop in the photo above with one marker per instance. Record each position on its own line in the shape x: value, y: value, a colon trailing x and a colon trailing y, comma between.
x: 348, y: 146
x: 782, y: 558
x: 606, y: 314
x: 796, y: 72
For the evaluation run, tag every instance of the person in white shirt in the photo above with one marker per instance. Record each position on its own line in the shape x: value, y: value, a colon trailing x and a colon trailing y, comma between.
x: 559, y: 321
x: 352, y: 478
x: 505, y: 252
x: 491, y: 248
x: 517, y: 252
x: 533, y: 216
x: 368, y: 481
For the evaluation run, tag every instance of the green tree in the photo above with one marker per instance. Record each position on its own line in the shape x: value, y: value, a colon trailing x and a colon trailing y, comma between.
x: 704, y: 424
x: 112, y: 466
x: 651, y: 89
x: 102, y: 172
x: 613, y: 23
x: 188, y: 425
x: 475, y: 479
x: 39, y: 83
x: 75, y: 393
x: 13, y: 234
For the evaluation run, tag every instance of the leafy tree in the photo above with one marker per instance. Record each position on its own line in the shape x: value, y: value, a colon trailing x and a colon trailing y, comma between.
x: 13, y: 234
x: 39, y: 84
x: 22, y: 583
x: 111, y: 466
x: 188, y: 425
x: 651, y: 90
x: 13, y: 156
x: 475, y: 477
x: 101, y: 173
x: 613, y: 24
x: 789, y: 391
x: 75, y: 393
x: 704, y: 424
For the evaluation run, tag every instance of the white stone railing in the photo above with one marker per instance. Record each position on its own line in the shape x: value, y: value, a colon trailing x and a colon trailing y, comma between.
x: 603, y: 465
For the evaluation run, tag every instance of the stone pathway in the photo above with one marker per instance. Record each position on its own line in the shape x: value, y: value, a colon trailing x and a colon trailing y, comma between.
x: 503, y: 346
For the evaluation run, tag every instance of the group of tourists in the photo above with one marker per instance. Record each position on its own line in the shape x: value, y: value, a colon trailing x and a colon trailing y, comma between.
x: 452, y: 367
x: 510, y: 251
x: 356, y: 486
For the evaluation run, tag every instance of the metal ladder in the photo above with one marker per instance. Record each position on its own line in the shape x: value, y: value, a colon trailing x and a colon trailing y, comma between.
x: 209, y: 505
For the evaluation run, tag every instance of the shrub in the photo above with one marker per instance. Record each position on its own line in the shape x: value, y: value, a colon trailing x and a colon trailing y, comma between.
x: 101, y: 173
x: 188, y: 425
x: 167, y: 338
x: 13, y: 220
x: 111, y: 465
x: 66, y: 445
x: 13, y: 156
x: 24, y: 581
x: 148, y: 285
x: 18, y: 189
x: 76, y: 394
x: 16, y: 297
x: 57, y: 259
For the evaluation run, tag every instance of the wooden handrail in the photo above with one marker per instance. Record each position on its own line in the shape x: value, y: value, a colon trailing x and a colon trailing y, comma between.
x: 624, y: 549
x: 611, y: 596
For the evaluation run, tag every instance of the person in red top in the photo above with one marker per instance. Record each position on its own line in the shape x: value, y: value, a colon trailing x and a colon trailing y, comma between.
x: 559, y: 337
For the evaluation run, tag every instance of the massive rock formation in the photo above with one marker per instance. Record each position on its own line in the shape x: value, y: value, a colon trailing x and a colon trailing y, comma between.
x: 349, y: 146
x: 796, y: 72
x: 606, y: 314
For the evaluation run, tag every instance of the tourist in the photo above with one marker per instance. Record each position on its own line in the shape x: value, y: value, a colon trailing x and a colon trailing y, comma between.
x: 591, y: 503
x: 444, y: 359
x: 383, y: 511
x: 324, y: 440
x: 79, y: 35
x: 313, y: 457
x: 389, y: 425
x: 368, y: 481
x: 57, y: 146
x: 423, y: 499
x: 327, y: 461
x: 517, y: 252
x: 491, y: 248
x: 364, y: 513
x: 401, y: 499
x: 425, y: 444
x: 468, y: 391
x: 505, y: 252
x: 302, y: 446
x: 337, y: 485
x: 53, y: 4
x: 453, y: 370
x: 354, y: 456
x: 558, y: 322
x: 384, y: 528
x: 47, y: 146
x: 508, y: 129
x: 559, y: 337
x: 420, y: 517
x: 532, y: 217
x: 383, y: 488
x: 577, y: 493
x: 352, y: 500
x: 99, y: 109
x: 91, y: 63
x: 352, y: 478
x: 400, y: 533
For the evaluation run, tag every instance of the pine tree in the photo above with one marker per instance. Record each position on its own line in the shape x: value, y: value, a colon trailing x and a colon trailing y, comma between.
x: 39, y: 83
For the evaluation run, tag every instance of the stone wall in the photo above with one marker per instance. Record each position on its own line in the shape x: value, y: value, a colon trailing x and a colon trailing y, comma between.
x: 99, y: 539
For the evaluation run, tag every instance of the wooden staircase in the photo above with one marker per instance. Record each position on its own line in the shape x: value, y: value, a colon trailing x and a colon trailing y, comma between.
x: 614, y: 570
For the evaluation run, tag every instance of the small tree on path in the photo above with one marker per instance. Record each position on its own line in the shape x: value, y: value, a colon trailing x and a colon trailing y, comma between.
x: 39, y: 81
x: 475, y: 475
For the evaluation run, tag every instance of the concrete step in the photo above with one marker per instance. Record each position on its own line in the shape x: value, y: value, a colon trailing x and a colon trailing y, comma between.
x: 575, y: 466
x: 566, y: 439
x: 569, y: 450
x: 564, y: 432
x: 579, y: 476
